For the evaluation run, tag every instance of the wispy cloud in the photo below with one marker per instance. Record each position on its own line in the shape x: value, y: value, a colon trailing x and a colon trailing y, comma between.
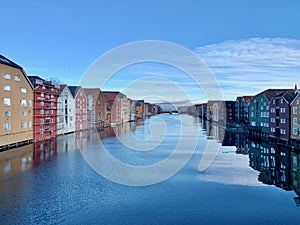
x: 251, y: 65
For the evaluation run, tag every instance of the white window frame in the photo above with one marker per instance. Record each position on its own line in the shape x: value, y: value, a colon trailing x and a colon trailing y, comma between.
x: 6, y: 126
x: 23, y: 90
x: 295, y: 110
x: 7, y: 113
x: 295, y: 131
x: 6, y: 87
x: 23, y: 102
x: 17, y: 78
x: 23, y: 124
x: 6, y: 76
x: 295, y: 120
x: 6, y: 102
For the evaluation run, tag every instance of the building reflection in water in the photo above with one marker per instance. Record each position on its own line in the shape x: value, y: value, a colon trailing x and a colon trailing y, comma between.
x: 277, y: 165
x: 224, y: 136
x: 273, y: 163
x: 295, y: 175
x: 44, y: 150
x: 15, y: 161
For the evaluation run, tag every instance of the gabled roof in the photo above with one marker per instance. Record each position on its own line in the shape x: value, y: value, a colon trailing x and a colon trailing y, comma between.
x: 74, y: 90
x: 248, y: 98
x: 289, y: 96
x: 91, y: 91
x: 61, y: 87
x: 271, y: 93
x: 111, y: 95
x: 8, y: 62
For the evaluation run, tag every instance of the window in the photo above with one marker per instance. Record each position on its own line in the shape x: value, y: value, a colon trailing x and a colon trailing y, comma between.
x: 295, y: 120
x: 24, y: 113
x: 41, y: 131
x: 41, y: 103
x: 23, y: 102
x: 298, y: 102
x: 268, y: 107
x: 29, y: 103
x: 281, y: 101
x: 29, y: 124
x: 17, y: 78
x: 295, y: 110
x: 6, y: 87
x: 295, y: 131
x: 6, y: 126
x: 273, y: 120
x: 41, y: 111
x: 6, y: 101
x: 7, y: 113
x: 23, y: 90
x: 282, y: 120
x: 6, y: 76
x: 272, y: 110
x: 23, y: 124
x: 41, y: 121
x: 282, y: 110
x: 261, y: 108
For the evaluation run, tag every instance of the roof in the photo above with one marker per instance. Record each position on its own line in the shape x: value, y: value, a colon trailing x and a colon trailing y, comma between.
x: 271, y: 93
x: 8, y: 62
x: 74, y: 90
x: 248, y: 98
x: 61, y: 87
x: 289, y: 96
x: 91, y: 91
x: 111, y: 95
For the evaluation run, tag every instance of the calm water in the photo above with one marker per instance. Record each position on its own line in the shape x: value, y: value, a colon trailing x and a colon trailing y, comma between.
x: 247, y: 183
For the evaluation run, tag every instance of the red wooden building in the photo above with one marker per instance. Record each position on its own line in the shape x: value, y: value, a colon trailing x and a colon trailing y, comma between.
x: 114, y: 107
x: 45, y: 109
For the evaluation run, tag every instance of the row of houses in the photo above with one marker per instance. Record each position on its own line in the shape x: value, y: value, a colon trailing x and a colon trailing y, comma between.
x: 271, y: 114
x: 34, y: 109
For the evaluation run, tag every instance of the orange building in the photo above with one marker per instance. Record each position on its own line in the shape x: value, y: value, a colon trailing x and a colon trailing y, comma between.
x: 16, y: 107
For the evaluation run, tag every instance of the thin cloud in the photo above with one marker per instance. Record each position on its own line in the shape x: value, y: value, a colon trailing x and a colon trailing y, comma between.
x: 254, y: 64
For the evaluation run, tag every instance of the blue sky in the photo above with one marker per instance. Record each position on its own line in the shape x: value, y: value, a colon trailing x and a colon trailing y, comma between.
x: 248, y: 45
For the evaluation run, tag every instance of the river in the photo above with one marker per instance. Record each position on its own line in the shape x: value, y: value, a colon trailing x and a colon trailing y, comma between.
x: 57, y: 182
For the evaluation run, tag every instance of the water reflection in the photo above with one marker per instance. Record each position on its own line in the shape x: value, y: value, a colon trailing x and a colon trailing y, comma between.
x: 15, y: 161
x: 277, y: 165
x: 61, y: 188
